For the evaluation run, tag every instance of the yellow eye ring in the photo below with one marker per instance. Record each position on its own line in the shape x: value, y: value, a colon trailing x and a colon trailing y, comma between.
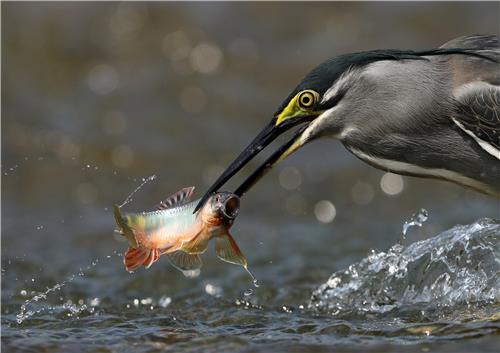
x: 307, y: 99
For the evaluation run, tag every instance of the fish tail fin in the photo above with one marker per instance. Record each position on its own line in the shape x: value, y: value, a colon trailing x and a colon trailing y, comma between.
x: 123, y: 227
x: 227, y: 250
x: 118, y: 218
x: 137, y: 257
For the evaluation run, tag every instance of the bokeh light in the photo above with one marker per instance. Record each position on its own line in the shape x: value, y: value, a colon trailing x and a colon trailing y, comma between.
x: 127, y: 20
x: 362, y: 193
x: 391, y: 184
x: 290, y: 178
x: 325, y: 211
x: 102, y: 79
x: 122, y: 156
x: 205, y: 58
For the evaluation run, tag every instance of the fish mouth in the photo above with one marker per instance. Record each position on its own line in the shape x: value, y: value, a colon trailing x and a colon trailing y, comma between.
x: 264, y: 138
x: 231, y: 207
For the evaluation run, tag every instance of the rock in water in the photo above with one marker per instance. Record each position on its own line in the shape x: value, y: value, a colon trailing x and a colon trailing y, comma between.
x: 455, y: 271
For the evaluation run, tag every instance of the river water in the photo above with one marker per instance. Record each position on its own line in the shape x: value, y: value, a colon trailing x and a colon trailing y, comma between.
x: 98, y: 97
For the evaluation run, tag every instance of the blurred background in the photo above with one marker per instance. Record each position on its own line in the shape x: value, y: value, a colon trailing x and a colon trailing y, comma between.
x: 98, y: 96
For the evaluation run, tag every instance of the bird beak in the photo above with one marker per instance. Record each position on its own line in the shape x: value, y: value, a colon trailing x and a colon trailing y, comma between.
x: 281, y: 153
x: 264, y: 138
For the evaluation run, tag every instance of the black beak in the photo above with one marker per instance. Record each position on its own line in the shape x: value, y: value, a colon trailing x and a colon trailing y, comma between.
x: 264, y: 138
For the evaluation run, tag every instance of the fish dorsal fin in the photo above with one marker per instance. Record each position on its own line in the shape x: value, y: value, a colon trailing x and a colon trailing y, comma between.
x: 227, y: 250
x: 179, y: 198
x: 188, y: 264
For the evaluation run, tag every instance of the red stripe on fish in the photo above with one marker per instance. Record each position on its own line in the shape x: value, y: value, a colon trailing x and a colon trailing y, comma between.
x: 135, y: 257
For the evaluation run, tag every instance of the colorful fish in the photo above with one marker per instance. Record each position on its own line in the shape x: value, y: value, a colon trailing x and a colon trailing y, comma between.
x: 175, y: 231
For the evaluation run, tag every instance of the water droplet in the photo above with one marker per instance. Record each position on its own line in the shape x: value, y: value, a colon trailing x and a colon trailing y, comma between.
x: 146, y: 301
x: 417, y: 219
x: 248, y: 292
x: 254, y: 280
x: 129, y: 197
x: 95, y: 301
x: 212, y: 289
x: 164, y: 301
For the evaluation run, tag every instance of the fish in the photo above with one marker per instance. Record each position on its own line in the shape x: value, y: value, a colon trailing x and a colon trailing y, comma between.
x: 173, y: 230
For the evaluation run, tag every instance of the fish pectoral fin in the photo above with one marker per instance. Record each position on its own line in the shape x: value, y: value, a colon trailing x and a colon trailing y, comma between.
x: 179, y: 198
x: 197, y: 245
x: 135, y: 257
x: 188, y: 264
x: 227, y: 250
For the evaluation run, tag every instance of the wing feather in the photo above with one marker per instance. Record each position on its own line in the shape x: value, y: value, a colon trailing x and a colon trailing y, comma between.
x: 478, y: 115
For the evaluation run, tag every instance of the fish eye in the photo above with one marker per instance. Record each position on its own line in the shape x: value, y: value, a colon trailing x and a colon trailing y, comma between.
x: 307, y: 99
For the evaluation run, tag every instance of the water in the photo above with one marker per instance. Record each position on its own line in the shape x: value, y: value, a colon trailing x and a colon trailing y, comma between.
x: 97, y: 96
x: 448, y: 277
x: 443, y: 288
x: 145, y: 181
x: 38, y: 303
x: 416, y: 219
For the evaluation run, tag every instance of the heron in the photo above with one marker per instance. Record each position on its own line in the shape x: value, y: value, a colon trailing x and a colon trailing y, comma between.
x: 431, y: 113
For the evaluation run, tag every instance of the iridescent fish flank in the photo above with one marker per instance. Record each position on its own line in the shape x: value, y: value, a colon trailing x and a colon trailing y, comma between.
x: 172, y: 229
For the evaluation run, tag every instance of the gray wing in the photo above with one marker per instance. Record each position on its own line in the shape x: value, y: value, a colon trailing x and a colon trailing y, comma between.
x: 466, y: 69
x: 476, y: 90
x: 478, y: 115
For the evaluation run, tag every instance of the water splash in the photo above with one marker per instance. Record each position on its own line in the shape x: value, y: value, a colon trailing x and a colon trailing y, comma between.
x: 144, y: 182
x: 417, y: 219
x: 164, y: 301
x: 29, y: 307
x: 254, y: 280
x: 449, y: 273
x: 150, y: 303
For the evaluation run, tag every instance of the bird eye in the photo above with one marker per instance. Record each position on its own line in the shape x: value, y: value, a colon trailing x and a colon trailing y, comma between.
x: 307, y: 99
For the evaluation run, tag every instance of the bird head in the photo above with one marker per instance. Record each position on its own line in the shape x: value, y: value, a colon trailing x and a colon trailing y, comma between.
x: 308, y: 102
x: 321, y: 104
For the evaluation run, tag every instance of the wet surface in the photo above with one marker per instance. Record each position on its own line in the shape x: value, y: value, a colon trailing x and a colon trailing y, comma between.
x: 97, y: 97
